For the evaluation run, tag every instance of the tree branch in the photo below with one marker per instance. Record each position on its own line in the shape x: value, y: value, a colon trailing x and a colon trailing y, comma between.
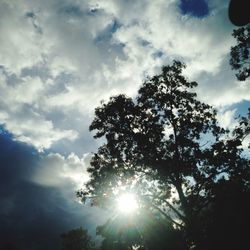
x: 167, y: 216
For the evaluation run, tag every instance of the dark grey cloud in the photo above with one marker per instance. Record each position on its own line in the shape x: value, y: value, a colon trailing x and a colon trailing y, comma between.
x: 33, y: 216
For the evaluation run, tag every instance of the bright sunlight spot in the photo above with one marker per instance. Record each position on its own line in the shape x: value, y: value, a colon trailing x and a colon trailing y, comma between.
x: 127, y: 203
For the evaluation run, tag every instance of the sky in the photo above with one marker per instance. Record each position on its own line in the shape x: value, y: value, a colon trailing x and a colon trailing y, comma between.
x: 58, y: 60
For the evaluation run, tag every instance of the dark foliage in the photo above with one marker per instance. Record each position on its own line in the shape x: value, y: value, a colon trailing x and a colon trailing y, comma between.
x: 167, y: 141
x: 240, y: 58
x: 144, y: 231
x: 77, y: 239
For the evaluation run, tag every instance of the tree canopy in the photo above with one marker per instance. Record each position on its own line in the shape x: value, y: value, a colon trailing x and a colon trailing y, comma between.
x: 77, y: 239
x: 240, y: 57
x: 166, y: 146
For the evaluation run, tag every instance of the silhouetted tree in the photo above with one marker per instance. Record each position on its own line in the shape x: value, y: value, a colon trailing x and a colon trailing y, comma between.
x: 77, y: 239
x: 166, y: 146
x: 240, y: 58
x: 143, y: 231
x: 227, y: 218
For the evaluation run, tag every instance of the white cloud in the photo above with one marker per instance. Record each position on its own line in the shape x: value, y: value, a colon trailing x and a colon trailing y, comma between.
x: 226, y: 118
x: 27, y: 92
x: 35, y: 130
x: 246, y: 144
x: 21, y: 116
x: 60, y: 58
x: 21, y: 44
x: 62, y: 172
x: 222, y: 89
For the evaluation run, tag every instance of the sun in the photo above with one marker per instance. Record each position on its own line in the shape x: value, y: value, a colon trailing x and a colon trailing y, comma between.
x: 127, y: 203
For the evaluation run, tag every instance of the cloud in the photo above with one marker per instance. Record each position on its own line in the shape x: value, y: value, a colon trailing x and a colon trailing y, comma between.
x: 226, y: 119
x: 56, y: 170
x: 222, y: 89
x: 35, y: 211
x: 21, y: 44
x: 59, y: 59
x: 63, y: 36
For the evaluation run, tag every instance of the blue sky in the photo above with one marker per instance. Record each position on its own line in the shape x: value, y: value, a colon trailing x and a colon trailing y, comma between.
x: 60, y: 58
x: 195, y: 8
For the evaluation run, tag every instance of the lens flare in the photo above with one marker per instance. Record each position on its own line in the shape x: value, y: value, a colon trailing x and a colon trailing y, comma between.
x: 126, y: 203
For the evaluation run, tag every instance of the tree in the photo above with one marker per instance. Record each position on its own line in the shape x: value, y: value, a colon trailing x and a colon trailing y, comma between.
x: 77, y: 239
x: 240, y: 58
x: 143, y: 232
x: 165, y: 141
x: 227, y: 218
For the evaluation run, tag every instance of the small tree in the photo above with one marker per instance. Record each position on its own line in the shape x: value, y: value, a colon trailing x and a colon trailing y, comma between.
x: 240, y: 54
x: 166, y: 146
x: 77, y: 239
